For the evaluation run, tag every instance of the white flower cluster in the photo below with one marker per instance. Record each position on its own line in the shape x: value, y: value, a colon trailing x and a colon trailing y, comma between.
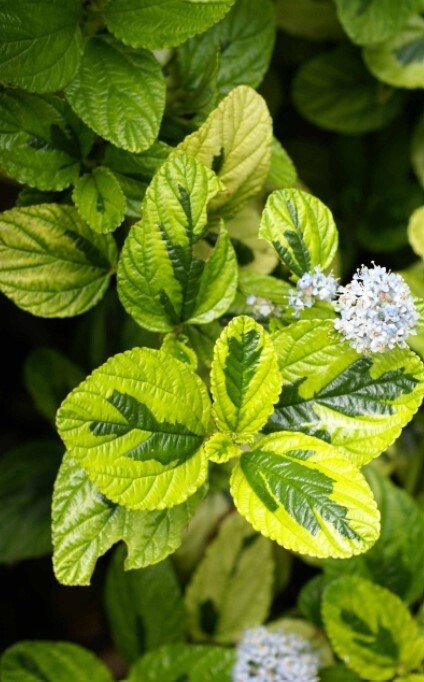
x: 311, y: 287
x: 264, y: 656
x: 262, y: 307
x: 377, y: 310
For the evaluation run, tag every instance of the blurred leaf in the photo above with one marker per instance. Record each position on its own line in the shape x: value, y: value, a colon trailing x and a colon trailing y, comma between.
x: 51, y: 662
x: 49, y: 376
x: 231, y: 589
x: 309, y: 19
x: 372, y: 21
x: 27, y: 475
x: 335, y: 91
x: 371, y: 628
x: 399, y: 61
x: 184, y: 663
x: 145, y: 608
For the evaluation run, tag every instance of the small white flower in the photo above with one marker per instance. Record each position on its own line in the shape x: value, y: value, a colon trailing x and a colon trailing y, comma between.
x: 311, y: 287
x: 377, y: 311
x: 262, y: 307
x: 264, y: 656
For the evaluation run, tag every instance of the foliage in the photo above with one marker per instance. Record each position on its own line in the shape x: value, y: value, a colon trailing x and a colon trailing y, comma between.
x: 217, y: 403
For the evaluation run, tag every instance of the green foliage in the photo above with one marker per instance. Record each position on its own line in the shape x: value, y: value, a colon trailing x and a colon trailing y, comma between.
x: 347, y: 403
x: 53, y: 264
x: 113, y: 78
x: 301, y: 229
x: 301, y: 493
x: 245, y: 381
x: 218, y: 414
x: 27, y: 475
x: 140, y: 448
x: 397, y: 559
x: 335, y: 91
x: 85, y: 524
x: 235, y: 140
x: 42, y: 143
x: 100, y: 200
x: 161, y: 280
x: 372, y: 21
x: 39, y: 45
x: 144, y: 607
x: 162, y: 24
x: 231, y: 589
x: 183, y: 662
x: 372, y: 628
x: 50, y: 662
x: 399, y: 61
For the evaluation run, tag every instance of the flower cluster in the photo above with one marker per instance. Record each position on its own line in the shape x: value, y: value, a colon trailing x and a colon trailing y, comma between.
x: 262, y: 307
x: 377, y: 310
x: 311, y: 287
x: 263, y: 656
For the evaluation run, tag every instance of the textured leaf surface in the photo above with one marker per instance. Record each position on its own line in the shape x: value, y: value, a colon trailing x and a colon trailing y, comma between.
x: 39, y: 45
x: 372, y: 21
x: 137, y: 425
x: 220, y: 447
x: 135, y: 171
x: 145, y: 608
x: 235, y: 141
x: 231, y: 589
x: 51, y: 662
x: 27, y: 474
x: 282, y: 172
x: 52, y: 264
x: 244, y: 40
x: 371, y: 627
x: 100, y: 200
x: 357, y: 403
x: 119, y: 93
x: 192, y: 663
x: 397, y: 559
x: 162, y: 281
x: 399, y: 61
x: 301, y: 229
x: 301, y: 492
x: 162, y: 23
x: 245, y: 379
x: 86, y: 524
x: 336, y: 92
x: 49, y: 375
x: 41, y: 140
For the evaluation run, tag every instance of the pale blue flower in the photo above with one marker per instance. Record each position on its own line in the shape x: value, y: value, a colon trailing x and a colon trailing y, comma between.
x: 377, y: 310
x: 311, y: 287
x: 264, y: 656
